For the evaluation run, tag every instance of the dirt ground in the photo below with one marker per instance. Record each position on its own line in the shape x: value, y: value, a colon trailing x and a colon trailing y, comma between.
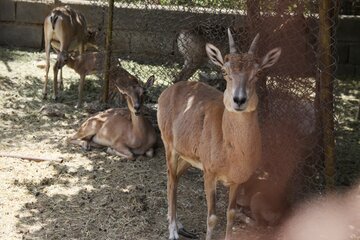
x: 89, y: 195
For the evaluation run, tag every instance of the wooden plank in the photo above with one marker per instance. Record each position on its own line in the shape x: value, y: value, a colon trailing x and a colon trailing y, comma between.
x: 31, y: 158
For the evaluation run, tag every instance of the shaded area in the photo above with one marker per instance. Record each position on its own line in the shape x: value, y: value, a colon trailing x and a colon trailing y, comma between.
x: 5, y: 57
x: 92, y: 195
x: 347, y: 130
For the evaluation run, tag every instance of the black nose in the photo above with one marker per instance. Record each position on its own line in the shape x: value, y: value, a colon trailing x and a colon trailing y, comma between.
x: 239, y: 101
x: 137, y: 107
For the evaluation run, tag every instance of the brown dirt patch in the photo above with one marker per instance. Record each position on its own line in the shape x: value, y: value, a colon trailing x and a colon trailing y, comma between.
x: 90, y: 195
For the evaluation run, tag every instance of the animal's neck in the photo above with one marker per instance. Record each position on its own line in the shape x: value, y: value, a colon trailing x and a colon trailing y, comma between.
x: 241, y: 127
x: 241, y: 143
x: 238, y: 127
x: 138, y: 122
x: 71, y: 63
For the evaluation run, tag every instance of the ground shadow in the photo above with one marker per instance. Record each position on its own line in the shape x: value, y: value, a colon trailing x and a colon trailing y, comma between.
x: 103, y: 197
x: 111, y: 198
x: 347, y: 131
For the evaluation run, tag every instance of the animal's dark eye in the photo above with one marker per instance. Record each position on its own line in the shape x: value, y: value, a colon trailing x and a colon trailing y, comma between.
x: 224, y: 72
x: 258, y: 73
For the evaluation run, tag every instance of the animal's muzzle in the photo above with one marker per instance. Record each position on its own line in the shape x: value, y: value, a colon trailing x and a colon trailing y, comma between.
x: 239, y: 100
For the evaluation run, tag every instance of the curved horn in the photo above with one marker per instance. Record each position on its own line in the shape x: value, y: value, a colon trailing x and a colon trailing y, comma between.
x: 119, y: 89
x: 231, y: 42
x: 254, y: 44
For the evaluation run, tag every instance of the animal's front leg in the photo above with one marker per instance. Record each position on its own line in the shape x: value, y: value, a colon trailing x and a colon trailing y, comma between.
x: 210, y: 191
x: 182, y: 166
x: 121, y: 151
x: 85, y: 145
x: 55, y: 85
x: 61, y: 83
x: 231, y: 211
x: 81, y: 90
x: 47, y: 67
x: 172, y: 183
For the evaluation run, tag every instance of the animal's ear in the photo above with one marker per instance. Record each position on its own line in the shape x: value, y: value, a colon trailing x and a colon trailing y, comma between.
x: 120, y: 90
x: 214, y: 54
x: 150, y: 82
x: 73, y: 55
x: 93, y: 38
x: 270, y: 58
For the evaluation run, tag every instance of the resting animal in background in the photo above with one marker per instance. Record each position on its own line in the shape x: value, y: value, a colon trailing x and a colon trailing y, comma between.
x: 287, y: 142
x: 126, y: 132
x: 213, y: 131
x: 65, y: 30
x: 267, y: 194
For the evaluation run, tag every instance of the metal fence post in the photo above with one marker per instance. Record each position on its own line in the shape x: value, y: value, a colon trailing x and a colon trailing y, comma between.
x: 108, y: 46
x: 326, y: 90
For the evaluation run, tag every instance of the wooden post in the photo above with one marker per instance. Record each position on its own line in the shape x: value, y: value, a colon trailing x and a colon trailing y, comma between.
x: 108, y: 46
x: 326, y: 90
x: 31, y: 158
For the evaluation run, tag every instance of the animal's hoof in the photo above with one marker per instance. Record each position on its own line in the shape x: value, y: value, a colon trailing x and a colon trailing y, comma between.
x: 150, y: 153
x: 109, y: 151
x: 45, y: 96
x: 185, y: 233
x: 85, y: 147
x: 174, y: 237
x: 79, y: 106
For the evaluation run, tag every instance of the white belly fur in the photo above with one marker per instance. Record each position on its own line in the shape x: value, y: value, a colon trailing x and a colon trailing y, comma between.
x: 193, y: 163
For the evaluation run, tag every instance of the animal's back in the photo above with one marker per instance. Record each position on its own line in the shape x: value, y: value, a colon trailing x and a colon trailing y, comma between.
x: 62, y: 18
x: 90, y: 63
x: 185, y: 110
x: 66, y: 11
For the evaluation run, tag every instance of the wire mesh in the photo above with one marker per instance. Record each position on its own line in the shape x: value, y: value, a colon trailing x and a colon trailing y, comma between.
x: 350, y: 7
x: 166, y: 38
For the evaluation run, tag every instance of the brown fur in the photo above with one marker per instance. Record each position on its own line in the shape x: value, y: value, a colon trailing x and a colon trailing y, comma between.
x: 286, y: 145
x: 209, y: 130
x: 88, y: 63
x: 191, y: 46
x: 66, y: 30
x: 126, y: 132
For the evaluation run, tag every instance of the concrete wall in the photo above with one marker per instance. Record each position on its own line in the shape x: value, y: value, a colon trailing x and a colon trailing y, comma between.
x: 21, y: 22
x: 348, y: 46
x: 143, y: 34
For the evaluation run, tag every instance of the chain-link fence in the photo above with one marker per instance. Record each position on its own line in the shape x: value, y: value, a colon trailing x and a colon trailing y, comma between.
x: 166, y: 38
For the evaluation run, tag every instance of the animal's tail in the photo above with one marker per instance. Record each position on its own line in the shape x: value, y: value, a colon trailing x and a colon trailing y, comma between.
x: 53, y: 18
